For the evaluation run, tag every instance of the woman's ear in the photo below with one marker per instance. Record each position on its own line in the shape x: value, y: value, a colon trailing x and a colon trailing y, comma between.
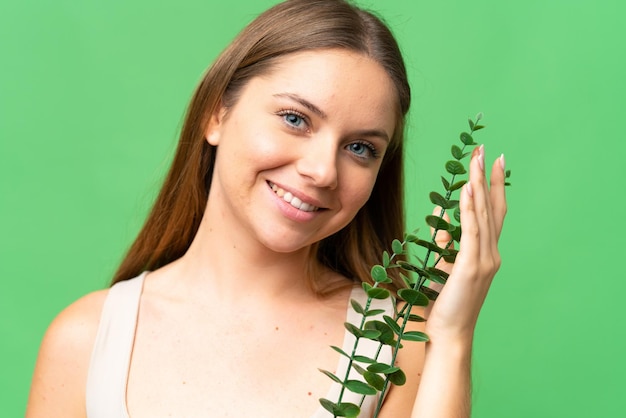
x: 214, y: 128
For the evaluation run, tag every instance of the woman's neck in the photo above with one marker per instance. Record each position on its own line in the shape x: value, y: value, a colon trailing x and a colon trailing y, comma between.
x: 232, y: 263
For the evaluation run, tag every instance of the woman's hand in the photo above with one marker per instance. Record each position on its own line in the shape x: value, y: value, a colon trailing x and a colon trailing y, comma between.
x: 444, y: 390
x: 455, y: 313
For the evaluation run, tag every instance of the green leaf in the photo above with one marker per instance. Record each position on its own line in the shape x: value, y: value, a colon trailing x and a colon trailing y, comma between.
x: 456, y: 234
x: 471, y: 124
x: 340, y: 351
x: 381, y: 368
x: 478, y: 127
x: 386, y: 333
x: 416, y: 318
x: 348, y: 410
x: 408, y: 280
x: 455, y: 167
x: 392, y: 324
x: 412, y: 237
x: 396, y: 246
x: 415, y: 336
x: 362, y: 388
x: 378, y: 293
x: 413, y: 297
x: 353, y: 329
x: 446, y: 183
x: 430, y: 293
x: 363, y: 359
x: 412, y: 267
x: 357, y: 306
x: 467, y: 139
x: 507, y: 174
x: 329, y: 406
x: 398, y: 378
x: 332, y: 376
x: 379, y: 274
x: 371, y: 334
x: 432, y: 247
x: 375, y: 380
x: 457, y: 185
x: 479, y: 116
x: 453, y: 204
x: 374, y: 312
x: 366, y: 286
x: 438, y: 200
x: 438, y: 223
x: 386, y: 259
x: 457, y: 152
x: 437, y: 276
x: 344, y: 409
x: 457, y: 214
x: 358, y: 368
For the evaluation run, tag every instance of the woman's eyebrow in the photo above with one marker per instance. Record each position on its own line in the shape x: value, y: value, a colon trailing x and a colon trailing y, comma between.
x: 319, y: 112
x: 304, y: 102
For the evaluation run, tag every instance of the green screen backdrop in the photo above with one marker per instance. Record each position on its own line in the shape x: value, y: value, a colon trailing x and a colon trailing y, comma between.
x: 92, y: 95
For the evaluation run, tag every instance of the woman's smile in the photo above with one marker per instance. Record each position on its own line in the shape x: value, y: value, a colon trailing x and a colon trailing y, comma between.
x: 295, y: 201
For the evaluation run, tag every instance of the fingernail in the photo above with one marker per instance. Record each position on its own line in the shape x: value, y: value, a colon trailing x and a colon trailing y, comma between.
x: 502, y: 162
x: 468, y: 186
x: 481, y: 157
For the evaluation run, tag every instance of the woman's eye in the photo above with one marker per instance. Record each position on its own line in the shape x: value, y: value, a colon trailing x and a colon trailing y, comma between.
x: 363, y: 150
x: 294, y: 120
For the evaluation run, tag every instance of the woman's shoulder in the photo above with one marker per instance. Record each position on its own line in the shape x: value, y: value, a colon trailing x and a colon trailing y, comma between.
x: 63, y: 362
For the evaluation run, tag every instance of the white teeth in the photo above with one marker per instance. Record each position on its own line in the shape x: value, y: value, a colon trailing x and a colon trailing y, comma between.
x: 292, y: 200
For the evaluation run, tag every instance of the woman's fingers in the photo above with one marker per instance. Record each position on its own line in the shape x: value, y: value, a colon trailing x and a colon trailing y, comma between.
x: 497, y: 193
x: 483, y: 207
x: 482, y: 201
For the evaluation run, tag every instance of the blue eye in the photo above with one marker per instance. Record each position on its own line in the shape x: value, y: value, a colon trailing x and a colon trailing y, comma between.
x: 293, y: 119
x: 363, y: 150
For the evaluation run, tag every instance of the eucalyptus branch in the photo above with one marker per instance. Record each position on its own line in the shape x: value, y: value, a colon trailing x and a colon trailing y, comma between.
x: 377, y: 375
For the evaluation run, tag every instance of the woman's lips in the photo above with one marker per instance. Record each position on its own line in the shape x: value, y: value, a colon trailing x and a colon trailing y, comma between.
x: 292, y: 200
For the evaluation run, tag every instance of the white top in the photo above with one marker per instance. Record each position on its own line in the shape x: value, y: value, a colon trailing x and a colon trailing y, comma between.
x: 110, y: 360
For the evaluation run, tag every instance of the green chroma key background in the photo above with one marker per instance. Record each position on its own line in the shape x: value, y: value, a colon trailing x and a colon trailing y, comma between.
x: 92, y: 95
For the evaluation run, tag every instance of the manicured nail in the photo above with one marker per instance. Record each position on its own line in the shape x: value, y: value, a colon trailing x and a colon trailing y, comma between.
x: 468, y: 186
x: 502, y: 162
x: 481, y: 157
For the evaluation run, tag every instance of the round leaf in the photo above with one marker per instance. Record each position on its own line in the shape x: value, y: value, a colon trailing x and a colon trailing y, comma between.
x: 375, y: 380
x: 398, y: 378
x: 438, y: 223
x: 378, y: 273
x: 386, y: 333
x: 378, y: 293
x: 455, y: 167
x: 438, y: 200
x: 456, y: 152
x: 413, y: 297
x: 381, y: 368
x: 396, y: 246
x: 467, y: 139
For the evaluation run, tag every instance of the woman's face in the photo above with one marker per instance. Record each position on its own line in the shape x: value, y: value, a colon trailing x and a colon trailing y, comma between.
x: 299, y: 152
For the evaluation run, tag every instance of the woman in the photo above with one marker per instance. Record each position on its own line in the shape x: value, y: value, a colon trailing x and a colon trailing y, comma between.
x: 286, y: 187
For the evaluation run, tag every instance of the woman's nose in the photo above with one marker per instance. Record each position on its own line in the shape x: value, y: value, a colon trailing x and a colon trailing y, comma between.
x: 318, y: 162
